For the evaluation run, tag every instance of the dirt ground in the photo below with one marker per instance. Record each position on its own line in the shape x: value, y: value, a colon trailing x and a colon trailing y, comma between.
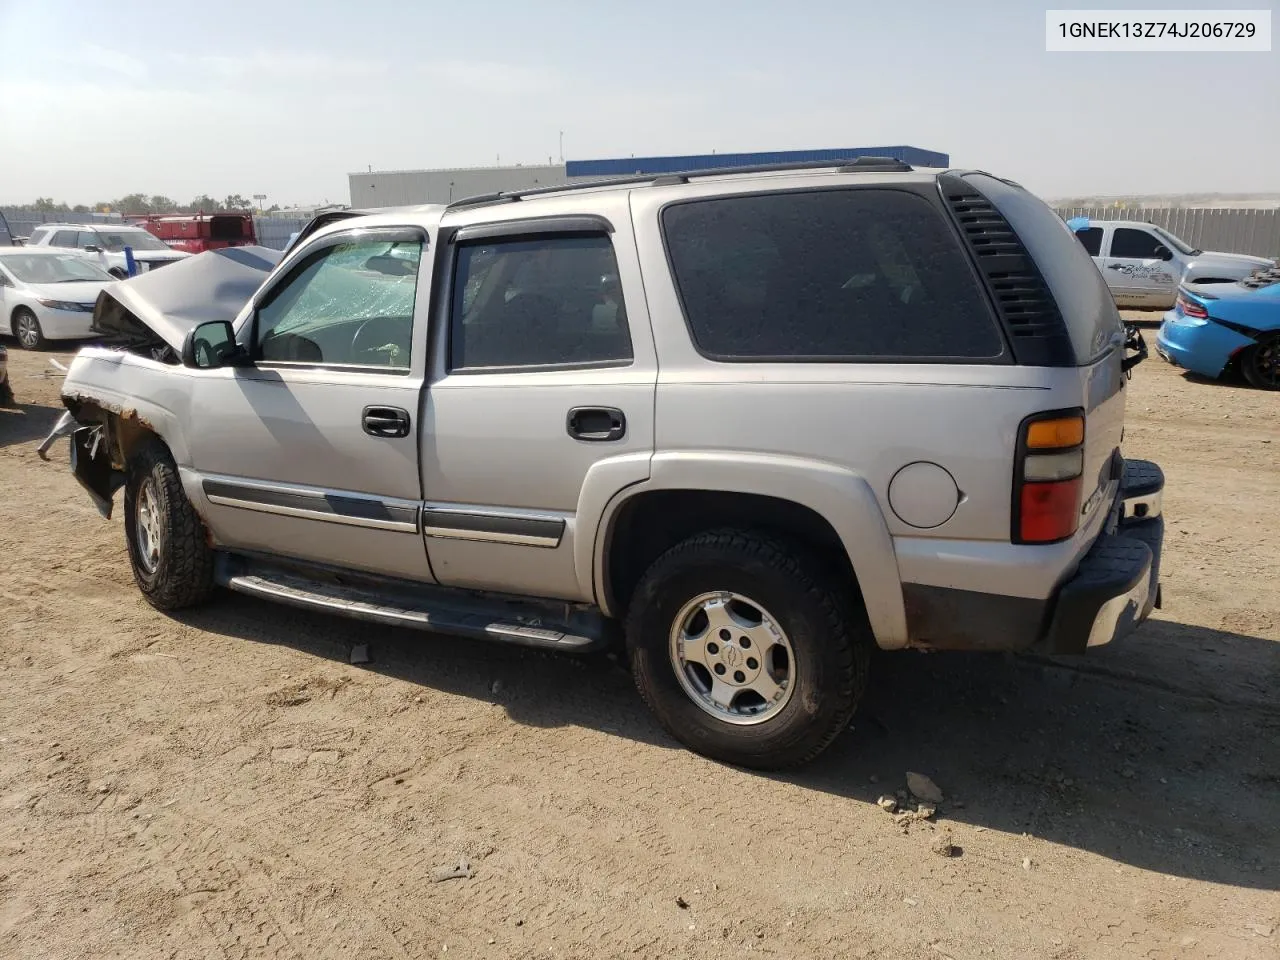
x: 225, y: 784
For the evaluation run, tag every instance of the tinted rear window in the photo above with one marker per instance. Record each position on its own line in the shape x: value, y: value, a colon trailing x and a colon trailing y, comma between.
x: 856, y: 274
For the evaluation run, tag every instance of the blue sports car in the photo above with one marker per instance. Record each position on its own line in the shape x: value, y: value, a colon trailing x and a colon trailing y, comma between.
x: 1214, y: 327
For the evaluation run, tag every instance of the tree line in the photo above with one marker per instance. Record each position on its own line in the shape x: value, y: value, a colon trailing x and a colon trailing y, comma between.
x: 138, y: 203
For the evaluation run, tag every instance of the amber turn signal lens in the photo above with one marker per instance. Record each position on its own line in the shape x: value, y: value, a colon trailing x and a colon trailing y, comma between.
x: 1055, y: 434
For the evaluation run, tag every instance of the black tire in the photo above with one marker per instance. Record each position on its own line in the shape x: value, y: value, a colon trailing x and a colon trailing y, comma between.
x: 180, y: 572
x: 34, y: 340
x: 825, y: 625
x: 120, y: 273
x: 1261, y: 364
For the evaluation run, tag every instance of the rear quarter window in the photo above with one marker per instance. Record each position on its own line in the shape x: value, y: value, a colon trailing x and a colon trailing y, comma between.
x: 855, y: 274
x: 1085, y: 302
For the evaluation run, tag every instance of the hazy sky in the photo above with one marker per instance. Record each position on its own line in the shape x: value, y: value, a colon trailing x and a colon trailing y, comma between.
x: 99, y: 99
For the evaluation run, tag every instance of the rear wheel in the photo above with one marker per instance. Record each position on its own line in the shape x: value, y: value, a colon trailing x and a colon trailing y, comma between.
x: 168, y: 544
x: 1261, y: 364
x: 27, y: 329
x: 745, y: 651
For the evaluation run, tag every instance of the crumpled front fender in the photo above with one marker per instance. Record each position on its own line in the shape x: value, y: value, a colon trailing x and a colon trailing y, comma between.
x: 91, y: 466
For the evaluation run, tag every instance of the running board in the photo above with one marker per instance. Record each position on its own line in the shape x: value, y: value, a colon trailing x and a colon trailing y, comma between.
x: 393, y: 608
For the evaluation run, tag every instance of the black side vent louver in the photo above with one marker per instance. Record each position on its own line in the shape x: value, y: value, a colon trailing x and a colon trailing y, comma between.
x: 1026, y: 306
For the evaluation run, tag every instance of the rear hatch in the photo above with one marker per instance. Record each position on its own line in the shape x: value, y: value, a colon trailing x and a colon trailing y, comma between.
x: 1057, y: 312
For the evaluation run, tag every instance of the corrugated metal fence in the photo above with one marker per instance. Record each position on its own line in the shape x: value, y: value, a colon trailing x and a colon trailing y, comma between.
x: 272, y: 231
x: 1249, y: 231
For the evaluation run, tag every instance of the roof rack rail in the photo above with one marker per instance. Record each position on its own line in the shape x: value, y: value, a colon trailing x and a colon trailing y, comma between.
x: 852, y: 165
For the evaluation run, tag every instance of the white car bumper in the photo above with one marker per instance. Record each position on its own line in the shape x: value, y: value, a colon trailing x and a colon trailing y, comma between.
x: 65, y: 324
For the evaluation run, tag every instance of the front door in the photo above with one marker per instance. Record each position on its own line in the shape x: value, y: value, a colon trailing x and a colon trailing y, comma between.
x: 312, y: 452
x: 543, y: 388
x: 1141, y: 269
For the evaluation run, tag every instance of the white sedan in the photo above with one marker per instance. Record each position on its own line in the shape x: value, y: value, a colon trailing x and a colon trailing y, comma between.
x: 48, y: 294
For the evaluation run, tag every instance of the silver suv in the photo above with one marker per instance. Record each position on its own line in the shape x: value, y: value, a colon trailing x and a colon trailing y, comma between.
x: 754, y: 423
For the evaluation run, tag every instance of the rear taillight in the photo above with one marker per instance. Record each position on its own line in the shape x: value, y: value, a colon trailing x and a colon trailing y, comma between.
x: 1189, y: 308
x: 1048, y: 477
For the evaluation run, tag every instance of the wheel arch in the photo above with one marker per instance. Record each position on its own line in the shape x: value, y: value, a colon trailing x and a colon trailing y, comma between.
x: 129, y: 428
x: 827, y: 507
x: 13, y: 317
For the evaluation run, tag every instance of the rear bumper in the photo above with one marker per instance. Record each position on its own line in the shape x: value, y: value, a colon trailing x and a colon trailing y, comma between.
x: 1201, y: 346
x: 1113, y: 588
x: 1117, y: 583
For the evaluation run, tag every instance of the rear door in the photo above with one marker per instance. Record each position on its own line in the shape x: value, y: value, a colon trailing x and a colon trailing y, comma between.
x: 544, y: 373
x: 1142, y: 267
x: 313, y: 452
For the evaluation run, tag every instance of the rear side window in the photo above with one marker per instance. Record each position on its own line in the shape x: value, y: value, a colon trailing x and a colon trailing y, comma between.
x: 856, y: 274
x: 1091, y: 240
x: 1135, y: 244
x: 548, y: 301
x: 64, y: 238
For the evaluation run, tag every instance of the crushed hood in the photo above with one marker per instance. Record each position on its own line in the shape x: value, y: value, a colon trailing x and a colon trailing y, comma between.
x: 168, y: 303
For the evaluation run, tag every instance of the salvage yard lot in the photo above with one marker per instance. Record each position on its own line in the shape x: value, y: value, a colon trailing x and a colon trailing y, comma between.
x: 226, y: 784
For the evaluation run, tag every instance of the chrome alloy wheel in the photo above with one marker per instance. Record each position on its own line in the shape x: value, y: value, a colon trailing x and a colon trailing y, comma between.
x: 147, y: 527
x: 27, y: 330
x: 732, y: 658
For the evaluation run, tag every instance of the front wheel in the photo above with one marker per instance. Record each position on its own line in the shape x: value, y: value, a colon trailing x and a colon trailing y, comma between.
x: 168, y: 544
x: 1261, y: 364
x: 745, y: 651
x: 27, y: 329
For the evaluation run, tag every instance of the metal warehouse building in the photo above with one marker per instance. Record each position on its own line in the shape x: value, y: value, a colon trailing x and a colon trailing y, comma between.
x: 393, y: 188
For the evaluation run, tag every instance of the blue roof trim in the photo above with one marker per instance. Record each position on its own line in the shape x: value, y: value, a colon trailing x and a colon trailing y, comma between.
x: 625, y: 166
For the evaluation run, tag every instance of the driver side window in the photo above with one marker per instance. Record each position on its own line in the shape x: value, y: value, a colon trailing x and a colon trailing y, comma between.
x: 350, y: 304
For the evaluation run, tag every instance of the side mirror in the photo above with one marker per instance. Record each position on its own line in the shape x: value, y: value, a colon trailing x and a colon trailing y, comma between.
x: 1163, y: 252
x: 213, y: 344
x: 92, y: 248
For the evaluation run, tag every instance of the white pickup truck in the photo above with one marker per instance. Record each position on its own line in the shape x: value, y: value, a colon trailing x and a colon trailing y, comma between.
x: 1143, y: 264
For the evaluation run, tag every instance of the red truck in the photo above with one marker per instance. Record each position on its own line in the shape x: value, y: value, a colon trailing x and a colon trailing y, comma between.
x: 198, y: 232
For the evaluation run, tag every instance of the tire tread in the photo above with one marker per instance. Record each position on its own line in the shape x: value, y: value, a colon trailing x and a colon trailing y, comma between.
x: 841, y: 612
x: 185, y: 575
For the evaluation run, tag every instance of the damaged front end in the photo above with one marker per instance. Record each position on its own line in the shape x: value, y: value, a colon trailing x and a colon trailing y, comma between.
x: 91, y: 465
x: 101, y: 439
x: 121, y: 394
